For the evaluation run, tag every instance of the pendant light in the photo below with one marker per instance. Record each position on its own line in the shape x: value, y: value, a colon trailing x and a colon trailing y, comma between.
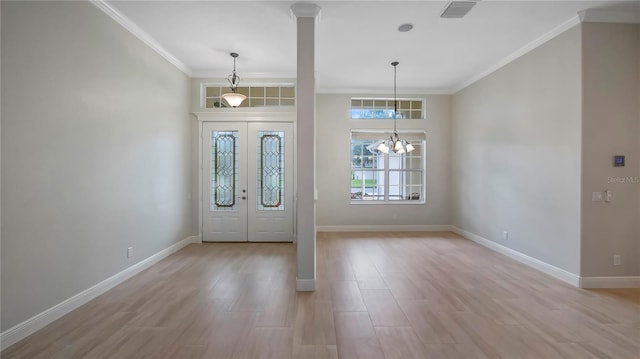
x: 233, y: 98
x: 394, y: 143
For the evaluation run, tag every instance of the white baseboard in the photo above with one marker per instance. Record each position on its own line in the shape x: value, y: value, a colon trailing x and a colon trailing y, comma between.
x: 196, y: 239
x: 305, y: 285
x: 610, y: 282
x: 547, y: 268
x: 384, y: 228
x: 39, y: 321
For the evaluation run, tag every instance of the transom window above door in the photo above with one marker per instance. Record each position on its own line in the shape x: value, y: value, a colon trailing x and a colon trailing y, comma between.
x: 257, y: 96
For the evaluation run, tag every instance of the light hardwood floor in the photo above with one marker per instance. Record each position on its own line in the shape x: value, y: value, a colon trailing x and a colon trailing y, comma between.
x: 379, y: 295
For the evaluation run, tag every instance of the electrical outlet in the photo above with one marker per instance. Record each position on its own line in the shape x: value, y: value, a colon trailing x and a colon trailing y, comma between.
x: 129, y: 252
x: 608, y: 196
x: 617, y: 260
x: 505, y: 235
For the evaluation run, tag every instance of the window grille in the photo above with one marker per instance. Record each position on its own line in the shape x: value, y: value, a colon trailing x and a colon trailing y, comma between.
x: 383, y: 108
x: 257, y: 96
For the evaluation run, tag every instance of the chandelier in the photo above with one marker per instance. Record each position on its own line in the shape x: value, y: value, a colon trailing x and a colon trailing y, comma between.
x: 233, y: 98
x: 394, y: 143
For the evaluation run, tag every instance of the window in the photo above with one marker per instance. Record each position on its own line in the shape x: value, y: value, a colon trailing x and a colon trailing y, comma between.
x: 270, y: 171
x: 257, y: 96
x: 391, y: 178
x: 382, y: 108
x: 224, y: 170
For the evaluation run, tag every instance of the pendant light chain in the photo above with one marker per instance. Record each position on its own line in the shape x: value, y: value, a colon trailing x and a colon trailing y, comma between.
x: 234, y: 88
x: 233, y: 98
x: 234, y: 81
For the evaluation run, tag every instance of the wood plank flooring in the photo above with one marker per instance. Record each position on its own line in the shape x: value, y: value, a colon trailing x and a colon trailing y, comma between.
x: 379, y: 295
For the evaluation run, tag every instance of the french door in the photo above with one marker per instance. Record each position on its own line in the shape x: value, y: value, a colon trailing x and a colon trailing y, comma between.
x: 247, y: 182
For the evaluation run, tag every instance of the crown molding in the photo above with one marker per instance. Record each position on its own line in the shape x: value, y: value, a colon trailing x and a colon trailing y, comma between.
x: 610, y: 16
x: 305, y: 10
x: 523, y: 50
x: 140, y: 34
x: 246, y: 76
x: 405, y: 92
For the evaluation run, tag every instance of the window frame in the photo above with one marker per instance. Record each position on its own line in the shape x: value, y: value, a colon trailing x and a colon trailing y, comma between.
x: 389, y: 107
x: 280, y: 98
x: 387, y: 170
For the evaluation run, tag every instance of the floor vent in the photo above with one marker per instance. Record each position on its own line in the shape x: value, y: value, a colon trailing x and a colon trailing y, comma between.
x: 457, y: 9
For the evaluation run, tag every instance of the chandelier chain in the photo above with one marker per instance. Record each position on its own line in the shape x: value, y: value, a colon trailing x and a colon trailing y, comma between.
x: 395, y: 96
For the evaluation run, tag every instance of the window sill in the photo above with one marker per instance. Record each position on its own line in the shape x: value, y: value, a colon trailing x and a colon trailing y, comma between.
x: 377, y: 203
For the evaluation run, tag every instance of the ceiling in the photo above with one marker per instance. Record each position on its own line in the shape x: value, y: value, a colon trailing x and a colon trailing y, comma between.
x: 355, y: 40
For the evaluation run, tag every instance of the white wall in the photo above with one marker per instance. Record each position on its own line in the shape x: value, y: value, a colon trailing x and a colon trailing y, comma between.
x: 195, y: 175
x: 610, y: 126
x: 95, y: 153
x: 516, y: 154
x: 333, y: 128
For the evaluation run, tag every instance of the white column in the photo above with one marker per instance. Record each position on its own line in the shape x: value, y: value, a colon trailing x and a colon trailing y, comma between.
x: 306, y: 151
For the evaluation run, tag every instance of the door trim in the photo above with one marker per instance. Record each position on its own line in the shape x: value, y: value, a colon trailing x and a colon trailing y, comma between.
x: 285, y: 117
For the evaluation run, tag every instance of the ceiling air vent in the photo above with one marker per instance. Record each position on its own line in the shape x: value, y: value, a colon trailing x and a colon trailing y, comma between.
x: 457, y: 9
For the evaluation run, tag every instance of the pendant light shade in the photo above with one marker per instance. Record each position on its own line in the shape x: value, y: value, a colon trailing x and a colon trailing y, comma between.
x: 233, y: 98
x: 394, y: 143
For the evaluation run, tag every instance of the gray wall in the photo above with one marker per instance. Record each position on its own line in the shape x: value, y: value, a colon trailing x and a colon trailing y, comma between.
x: 95, y: 153
x: 610, y: 126
x: 516, y: 154
x: 333, y: 125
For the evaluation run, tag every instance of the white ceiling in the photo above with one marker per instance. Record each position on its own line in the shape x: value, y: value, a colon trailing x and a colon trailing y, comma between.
x: 355, y: 40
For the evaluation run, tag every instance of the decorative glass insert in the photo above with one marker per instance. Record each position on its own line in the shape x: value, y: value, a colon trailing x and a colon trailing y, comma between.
x: 224, y: 170
x: 270, y: 171
x: 382, y: 108
x: 257, y: 96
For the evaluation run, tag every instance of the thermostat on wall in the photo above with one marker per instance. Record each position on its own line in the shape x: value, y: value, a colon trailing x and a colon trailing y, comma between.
x: 618, y: 161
